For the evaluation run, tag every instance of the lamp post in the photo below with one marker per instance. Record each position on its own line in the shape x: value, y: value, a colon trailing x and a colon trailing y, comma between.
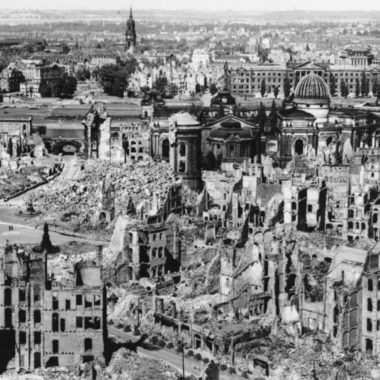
x: 183, y: 359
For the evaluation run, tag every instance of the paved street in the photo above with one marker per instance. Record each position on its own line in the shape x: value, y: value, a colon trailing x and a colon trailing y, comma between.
x: 24, y: 230
x: 192, y: 367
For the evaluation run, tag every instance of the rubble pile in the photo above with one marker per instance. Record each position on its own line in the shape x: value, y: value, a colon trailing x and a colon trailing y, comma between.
x: 128, y: 365
x: 12, y: 181
x: 312, y: 353
x: 75, y: 204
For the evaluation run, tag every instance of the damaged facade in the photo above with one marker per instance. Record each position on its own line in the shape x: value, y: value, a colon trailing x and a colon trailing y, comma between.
x: 49, y: 321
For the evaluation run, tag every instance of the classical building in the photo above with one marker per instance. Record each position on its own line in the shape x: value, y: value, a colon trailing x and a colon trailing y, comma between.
x: 185, y: 149
x: 232, y: 139
x: 248, y: 81
x: 38, y: 74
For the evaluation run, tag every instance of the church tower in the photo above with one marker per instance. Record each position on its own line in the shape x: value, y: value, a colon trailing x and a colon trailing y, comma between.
x: 130, y: 34
x: 185, y: 135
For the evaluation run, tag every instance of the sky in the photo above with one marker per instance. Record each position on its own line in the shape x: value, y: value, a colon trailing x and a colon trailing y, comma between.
x: 207, y: 5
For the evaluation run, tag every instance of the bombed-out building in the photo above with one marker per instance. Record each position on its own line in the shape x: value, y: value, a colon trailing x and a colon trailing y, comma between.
x: 48, y: 320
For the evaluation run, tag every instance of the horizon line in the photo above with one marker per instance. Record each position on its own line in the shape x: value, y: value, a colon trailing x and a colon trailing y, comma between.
x: 294, y: 9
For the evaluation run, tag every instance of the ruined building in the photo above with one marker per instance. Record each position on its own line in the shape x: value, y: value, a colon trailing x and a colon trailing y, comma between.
x: 49, y: 319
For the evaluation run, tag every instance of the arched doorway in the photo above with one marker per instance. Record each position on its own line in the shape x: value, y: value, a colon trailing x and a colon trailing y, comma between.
x: 298, y: 147
x: 165, y: 149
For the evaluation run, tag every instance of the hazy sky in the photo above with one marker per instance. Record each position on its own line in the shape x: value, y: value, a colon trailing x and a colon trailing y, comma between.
x: 196, y: 4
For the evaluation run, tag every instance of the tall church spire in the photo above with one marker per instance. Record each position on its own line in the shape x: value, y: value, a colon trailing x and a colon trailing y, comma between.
x: 130, y: 34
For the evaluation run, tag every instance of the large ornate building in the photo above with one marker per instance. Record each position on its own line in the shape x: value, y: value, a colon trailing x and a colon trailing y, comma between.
x: 248, y: 81
x: 307, y: 129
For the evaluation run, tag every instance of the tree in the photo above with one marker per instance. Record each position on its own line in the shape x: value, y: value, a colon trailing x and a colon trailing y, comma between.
x: 364, y: 84
x: 262, y: 88
x: 236, y: 110
x: 56, y: 88
x: 286, y: 87
x: 261, y: 117
x: 343, y: 89
x: 332, y: 84
x: 357, y: 88
x: 374, y: 87
x: 367, y: 87
x: 46, y: 244
x: 220, y: 111
x: 213, y: 89
x: 69, y: 86
x: 82, y: 74
x: 44, y: 89
x: 65, y: 48
x: 276, y: 90
x: 114, y: 78
x: 10, y: 147
x: 273, y: 117
x: 160, y: 85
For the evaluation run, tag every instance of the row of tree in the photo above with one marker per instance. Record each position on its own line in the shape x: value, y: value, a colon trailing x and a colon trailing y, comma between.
x: 64, y: 87
x: 114, y: 78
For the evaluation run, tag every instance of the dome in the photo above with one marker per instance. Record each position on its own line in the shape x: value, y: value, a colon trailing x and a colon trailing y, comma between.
x: 312, y: 89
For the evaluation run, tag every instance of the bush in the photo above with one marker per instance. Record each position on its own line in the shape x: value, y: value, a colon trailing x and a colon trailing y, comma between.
x: 127, y: 328
x: 119, y: 326
x: 110, y: 322
x: 170, y: 345
x: 205, y: 360
x: 223, y: 367
x: 161, y: 343
x: 190, y: 353
x: 153, y: 339
x: 244, y: 375
x: 231, y: 370
x: 198, y: 356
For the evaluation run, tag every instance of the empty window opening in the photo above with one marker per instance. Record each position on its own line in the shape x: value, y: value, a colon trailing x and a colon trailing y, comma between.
x: 79, y: 322
x: 22, y: 316
x: 37, y: 337
x: 88, y: 344
x: 37, y: 316
x: 55, y: 303
x: 55, y: 346
x: 21, y: 295
x: 7, y: 297
x: 22, y: 337
x: 55, y: 321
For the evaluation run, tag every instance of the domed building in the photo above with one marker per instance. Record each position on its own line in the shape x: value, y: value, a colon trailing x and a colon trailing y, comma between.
x: 311, y: 130
x: 312, y: 95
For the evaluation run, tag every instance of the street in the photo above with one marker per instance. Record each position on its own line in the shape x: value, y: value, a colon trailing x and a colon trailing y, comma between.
x: 192, y: 367
x: 24, y: 228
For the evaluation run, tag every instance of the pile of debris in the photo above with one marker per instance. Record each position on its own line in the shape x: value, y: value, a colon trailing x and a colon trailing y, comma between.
x: 312, y: 354
x: 75, y: 204
x: 12, y: 181
x: 128, y: 365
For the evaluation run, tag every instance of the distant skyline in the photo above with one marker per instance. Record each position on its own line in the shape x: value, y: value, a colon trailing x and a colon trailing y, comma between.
x: 205, y: 5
